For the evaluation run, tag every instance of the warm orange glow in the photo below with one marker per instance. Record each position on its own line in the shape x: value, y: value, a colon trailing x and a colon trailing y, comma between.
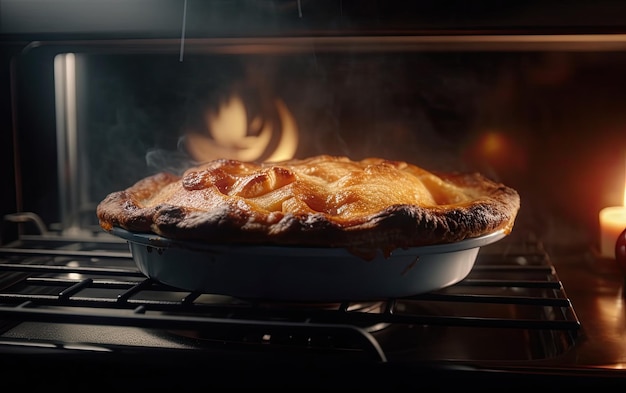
x: 229, y: 126
x: 497, y: 150
x: 228, y: 135
x: 493, y: 144
x: 289, y: 139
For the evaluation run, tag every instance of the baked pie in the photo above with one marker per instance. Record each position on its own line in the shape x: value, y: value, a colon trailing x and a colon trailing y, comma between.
x: 322, y: 201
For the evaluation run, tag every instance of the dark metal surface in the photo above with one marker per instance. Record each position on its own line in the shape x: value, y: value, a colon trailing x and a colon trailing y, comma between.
x: 164, y: 18
x: 595, y: 287
x: 521, y: 311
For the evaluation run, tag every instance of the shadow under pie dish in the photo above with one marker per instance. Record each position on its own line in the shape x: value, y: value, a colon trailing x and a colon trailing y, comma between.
x: 320, y: 228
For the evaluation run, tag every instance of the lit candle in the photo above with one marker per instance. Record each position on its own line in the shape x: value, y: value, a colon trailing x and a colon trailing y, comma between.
x: 612, y: 224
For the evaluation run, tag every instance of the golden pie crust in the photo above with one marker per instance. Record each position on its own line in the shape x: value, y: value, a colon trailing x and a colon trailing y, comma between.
x: 322, y: 201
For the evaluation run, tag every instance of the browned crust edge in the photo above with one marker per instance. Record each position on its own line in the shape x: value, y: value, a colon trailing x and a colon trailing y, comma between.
x: 399, y: 226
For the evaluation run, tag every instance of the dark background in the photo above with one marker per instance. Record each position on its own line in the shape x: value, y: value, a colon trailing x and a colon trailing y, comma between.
x: 557, y: 112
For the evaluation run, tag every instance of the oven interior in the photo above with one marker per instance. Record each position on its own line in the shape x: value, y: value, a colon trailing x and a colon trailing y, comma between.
x: 541, y: 113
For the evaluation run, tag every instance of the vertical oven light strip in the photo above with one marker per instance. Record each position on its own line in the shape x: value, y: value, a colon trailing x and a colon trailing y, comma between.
x: 59, y: 106
x: 182, y: 33
x: 65, y: 100
x: 72, y: 142
x: 16, y: 151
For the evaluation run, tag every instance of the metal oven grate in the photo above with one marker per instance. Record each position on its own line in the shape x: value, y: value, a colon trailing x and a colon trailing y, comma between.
x: 63, y: 293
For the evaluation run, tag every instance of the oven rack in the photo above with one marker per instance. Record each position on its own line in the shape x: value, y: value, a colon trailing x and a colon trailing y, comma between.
x: 83, y: 282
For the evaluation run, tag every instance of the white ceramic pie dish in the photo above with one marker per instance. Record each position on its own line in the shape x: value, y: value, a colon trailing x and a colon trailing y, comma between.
x: 302, y: 274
